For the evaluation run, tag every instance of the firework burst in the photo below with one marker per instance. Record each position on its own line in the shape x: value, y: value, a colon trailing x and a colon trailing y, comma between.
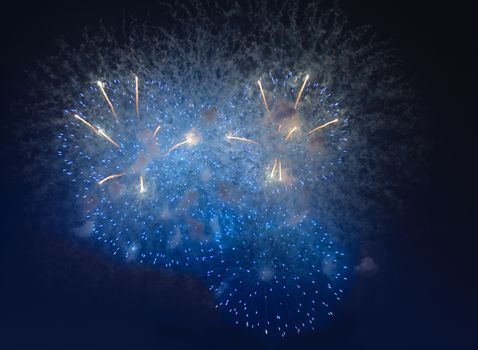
x: 148, y: 195
x: 224, y: 159
x: 279, y: 279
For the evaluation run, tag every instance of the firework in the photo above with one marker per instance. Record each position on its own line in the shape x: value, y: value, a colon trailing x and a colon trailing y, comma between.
x: 96, y: 130
x: 289, y: 152
x: 279, y: 279
x: 102, y: 88
x: 219, y: 158
x: 151, y: 199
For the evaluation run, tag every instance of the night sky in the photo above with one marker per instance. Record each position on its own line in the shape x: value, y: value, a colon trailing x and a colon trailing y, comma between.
x: 59, y: 294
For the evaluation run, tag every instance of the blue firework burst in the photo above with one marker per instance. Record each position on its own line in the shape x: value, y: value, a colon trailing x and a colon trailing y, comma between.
x: 145, y: 189
x: 288, y: 134
x: 216, y: 173
x: 279, y: 276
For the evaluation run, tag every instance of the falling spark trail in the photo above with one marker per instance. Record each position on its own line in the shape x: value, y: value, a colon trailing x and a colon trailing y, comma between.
x: 156, y: 131
x: 142, y: 189
x: 274, y: 168
x: 97, y: 131
x: 263, y: 96
x: 113, y: 176
x: 191, y: 139
x: 178, y: 145
x: 100, y: 84
x: 289, y: 134
x: 102, y: 133
x: 280, y: 170
x: 137, y: 96
x: 238, y: 138
x: 300, y: 92
x: 322, y: 126
x: 86, y: 123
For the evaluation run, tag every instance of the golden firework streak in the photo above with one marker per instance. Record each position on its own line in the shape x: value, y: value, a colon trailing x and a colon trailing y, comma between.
x: 280, y: 170
x: 97, y: 131
x: 263, y: 96
x: 278, y: 166
x: 191, y: 139
x: 113, y: 176
x: 322, y: 126
x: 291, y: 131
x: 102, y: 133
x: 177, y: 145
x: 156, y: 131
x: 238, y: 138
x: 274, y: 168
x: 142, y: 189
x: 100, y: 84
x: 301, y: 90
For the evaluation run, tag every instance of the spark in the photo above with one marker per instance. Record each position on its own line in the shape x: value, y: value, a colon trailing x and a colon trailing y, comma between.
x: 278, y: 166
x: 156, y: 131
x: 113, y: 176
x: 142, y: 189
x: 85, y: 122
x: 291, y: 131
x: 280, y: 170
x: 301, y: 90
x: 97, y: 131
x: 274, y: 168
x: 323, y: 126
x: 238, y: 138
x: 137, y: 95
x: 191, y: 139
x: 102, y: 133
x: 263, y: 96
x: 100, y: 84
x: 179, y: 144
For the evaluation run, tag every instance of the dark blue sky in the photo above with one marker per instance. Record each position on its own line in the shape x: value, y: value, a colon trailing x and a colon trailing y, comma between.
x: 56, y: 294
